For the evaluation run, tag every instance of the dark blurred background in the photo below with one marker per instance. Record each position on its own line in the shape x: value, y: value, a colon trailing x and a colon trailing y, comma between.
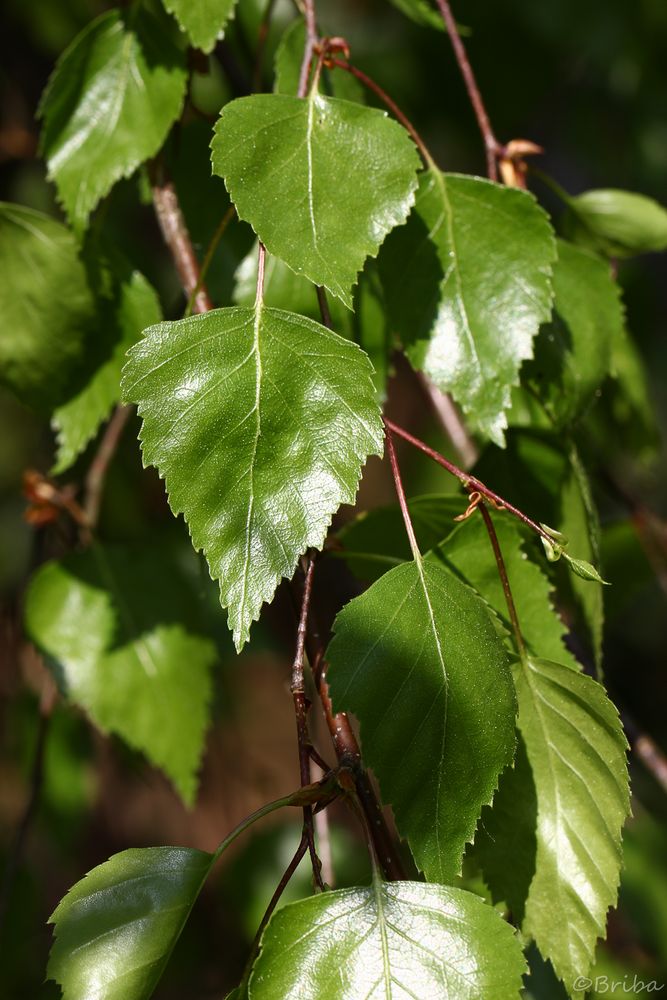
x: 588, y: 82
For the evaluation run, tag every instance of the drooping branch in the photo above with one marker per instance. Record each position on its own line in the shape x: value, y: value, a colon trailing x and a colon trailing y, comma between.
x: 301, y: 715
x: 99, y: 467
x: 310, y: 46
x: 491, y: 144
x: 470, y: 482
x: 400, y: 493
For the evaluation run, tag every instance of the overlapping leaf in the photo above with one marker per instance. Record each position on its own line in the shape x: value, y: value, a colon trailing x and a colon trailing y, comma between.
x: 418, y: 660
x: 109, y: 104
x: 576, y: 750
x: 260, y: 421
x: 203, y: 21
x: 321, y: 181
x: 134, y: 307
x: 468, y: 282
x: 573, y: 354
x: 115, y: 929
x: 399, y: 940
x: 120, y: 628
x: 288, y: 60
x: 45, y: 351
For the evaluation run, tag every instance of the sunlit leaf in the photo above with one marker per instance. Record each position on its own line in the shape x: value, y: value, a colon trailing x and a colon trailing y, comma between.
x: 398, y: 940
x: 109, y: 104
x: 321, y: 181
x: 116, y: 928
x: 468, y: 282
x: 260, y: 421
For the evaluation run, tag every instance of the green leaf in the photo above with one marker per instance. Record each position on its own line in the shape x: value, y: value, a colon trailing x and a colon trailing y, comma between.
x: 203, y: 21
x: 259, y: 421
x: 401, y: 939
x: 617, y: 223
x: 321, y: 181
x: 576, y: 751
x: 417, y: 658
x: 122, y: 631
x: 468, y: 553
x: 109, y: 104
x: 573, y: 354
x: 468, y: 282
x: 78, y: 420
x: 44, y: 350
x: 116, y: 928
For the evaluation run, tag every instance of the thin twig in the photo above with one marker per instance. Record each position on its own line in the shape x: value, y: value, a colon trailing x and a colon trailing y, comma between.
x: 470, y: 482
x: 309, y: 48
x: 492, y: 146
x: 275, y: 898
x: 97, y: 472
x: 301, y: 714
x: 176, y: 236
x: 386, y: 99
x: 504, y: 579
x: 402, y: 500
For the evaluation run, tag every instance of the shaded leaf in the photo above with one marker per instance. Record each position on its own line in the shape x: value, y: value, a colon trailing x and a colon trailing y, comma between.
x: 321, y: 181
x: 576, y: 750
x: 467, y: 283
x: 44, y: 351
x: 398, y: 940
x: 573, y: 354
x: 468, y: 553
x: 77, y: 421
x: 109, y: 104
x: 122, y: 630
x: 417, y: 658
x: 422, y: 12
x: 116, y: 928
x: 617, y: 223
x: 259, y: 421
x: 202, y: 21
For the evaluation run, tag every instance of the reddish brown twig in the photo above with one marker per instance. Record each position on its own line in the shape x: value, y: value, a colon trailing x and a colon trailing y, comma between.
x: 176, y: 236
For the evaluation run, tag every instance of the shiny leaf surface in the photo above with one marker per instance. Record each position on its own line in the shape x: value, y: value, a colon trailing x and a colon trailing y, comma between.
x: 321, y: 181
x: 109, y: 104
x: 394, y: 941
x: 260, y: 422
x: 418, y: 660
x: 115, y: 929
x: 576, y: 750
x: 468, y: 282
x: 121, y: 630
